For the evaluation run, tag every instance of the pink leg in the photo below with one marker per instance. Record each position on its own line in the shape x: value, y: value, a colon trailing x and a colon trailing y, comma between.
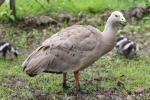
x: 77, y: 75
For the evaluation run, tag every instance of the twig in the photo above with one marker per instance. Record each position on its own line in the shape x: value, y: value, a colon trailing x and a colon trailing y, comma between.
x: 13, y: 7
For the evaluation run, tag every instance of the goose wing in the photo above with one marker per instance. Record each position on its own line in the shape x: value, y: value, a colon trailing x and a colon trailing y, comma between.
x: 73, y: 48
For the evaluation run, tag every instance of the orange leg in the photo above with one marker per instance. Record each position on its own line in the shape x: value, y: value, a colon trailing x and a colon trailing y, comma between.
x: 77, y: 75
x: 64, y: 80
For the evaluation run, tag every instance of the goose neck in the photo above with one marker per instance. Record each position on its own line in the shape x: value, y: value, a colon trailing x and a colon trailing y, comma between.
x: 109, y: 30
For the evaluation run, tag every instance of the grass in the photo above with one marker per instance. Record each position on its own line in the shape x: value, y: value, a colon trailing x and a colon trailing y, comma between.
x: 136, y: 71
x: 103, y: 74
x: 110, y: 69
x: 32, y: 7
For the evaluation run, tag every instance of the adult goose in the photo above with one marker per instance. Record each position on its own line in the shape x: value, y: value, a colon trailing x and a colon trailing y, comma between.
x: 73, y: 49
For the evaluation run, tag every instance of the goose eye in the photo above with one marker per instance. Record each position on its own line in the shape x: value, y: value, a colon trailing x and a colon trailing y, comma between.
x: 116, y: 16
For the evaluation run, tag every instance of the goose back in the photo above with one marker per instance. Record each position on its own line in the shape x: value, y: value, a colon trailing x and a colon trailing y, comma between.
x: 73, y: 48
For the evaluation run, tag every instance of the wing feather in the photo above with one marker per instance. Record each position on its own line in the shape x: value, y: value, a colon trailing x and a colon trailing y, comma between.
x: 66, y: 50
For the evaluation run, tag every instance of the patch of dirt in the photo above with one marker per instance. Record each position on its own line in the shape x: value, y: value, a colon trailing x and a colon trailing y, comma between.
x: 146, y: 47
x: 62, y: 17
x: 37, y: 22
x: 137, y: 12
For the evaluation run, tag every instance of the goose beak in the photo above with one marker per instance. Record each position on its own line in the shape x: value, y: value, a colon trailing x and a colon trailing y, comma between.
x: 123, y: 20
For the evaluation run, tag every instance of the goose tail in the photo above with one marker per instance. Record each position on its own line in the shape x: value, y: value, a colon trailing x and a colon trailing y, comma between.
x: 37, y: 61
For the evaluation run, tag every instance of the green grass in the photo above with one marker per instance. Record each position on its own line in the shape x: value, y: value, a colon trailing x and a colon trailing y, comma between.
x: 135, y: 71
x: 31, y: 7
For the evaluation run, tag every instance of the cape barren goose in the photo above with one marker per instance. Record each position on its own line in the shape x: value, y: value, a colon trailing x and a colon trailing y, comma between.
x: 73, y: 49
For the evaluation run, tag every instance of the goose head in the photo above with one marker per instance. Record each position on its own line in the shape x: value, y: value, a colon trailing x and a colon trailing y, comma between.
x: 117, y: 17
x: 114, y: 19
